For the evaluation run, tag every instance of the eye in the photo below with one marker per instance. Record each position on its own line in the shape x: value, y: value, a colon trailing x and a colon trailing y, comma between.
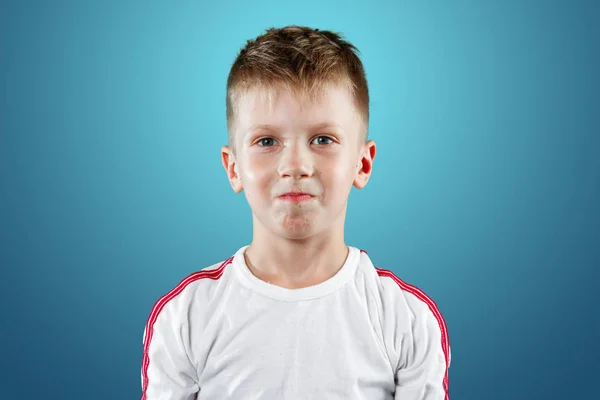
x: 322, y: 140
x: 266, y: 142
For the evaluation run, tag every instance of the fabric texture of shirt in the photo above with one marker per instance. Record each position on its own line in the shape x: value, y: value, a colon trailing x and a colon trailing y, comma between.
x: 222, y: 334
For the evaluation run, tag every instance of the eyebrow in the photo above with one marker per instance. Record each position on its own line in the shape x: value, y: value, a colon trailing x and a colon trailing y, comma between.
x: 262, y: 127
x: 325, y: 125
x: 322, y: 125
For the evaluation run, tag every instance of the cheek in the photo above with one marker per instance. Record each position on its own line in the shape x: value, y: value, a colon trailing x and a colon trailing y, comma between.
x: 337, y: 178
x: 256, y: 175
x: 342, y: 168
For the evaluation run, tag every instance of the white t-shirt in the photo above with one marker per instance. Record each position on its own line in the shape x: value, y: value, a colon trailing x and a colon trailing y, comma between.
x: 222, y: 334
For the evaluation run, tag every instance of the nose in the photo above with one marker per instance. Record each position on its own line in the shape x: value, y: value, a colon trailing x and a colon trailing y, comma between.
x: 296, y: 162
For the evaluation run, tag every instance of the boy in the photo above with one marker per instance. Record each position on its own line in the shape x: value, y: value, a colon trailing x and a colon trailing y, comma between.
x: 297, y: 313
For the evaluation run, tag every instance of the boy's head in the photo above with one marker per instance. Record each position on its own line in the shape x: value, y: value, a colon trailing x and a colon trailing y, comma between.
x: 297, y: 118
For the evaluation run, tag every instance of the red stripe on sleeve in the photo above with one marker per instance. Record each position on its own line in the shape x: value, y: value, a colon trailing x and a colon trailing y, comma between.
x: 160, y: 304
x: 434, y: 309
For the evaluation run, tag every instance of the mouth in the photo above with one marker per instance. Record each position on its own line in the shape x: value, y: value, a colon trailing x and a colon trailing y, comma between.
x: 296, y: 197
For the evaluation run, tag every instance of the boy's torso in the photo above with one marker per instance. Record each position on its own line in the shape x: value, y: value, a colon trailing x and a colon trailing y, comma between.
x: 252, y: 340
x: 292, y: 351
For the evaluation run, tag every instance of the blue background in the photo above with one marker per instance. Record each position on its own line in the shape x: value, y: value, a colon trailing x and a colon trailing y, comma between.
x: 485, y: 192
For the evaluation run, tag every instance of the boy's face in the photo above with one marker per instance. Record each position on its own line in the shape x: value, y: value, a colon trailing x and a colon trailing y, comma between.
x: 297, y: 162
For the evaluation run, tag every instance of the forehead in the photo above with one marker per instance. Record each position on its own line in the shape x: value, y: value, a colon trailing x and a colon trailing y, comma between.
x: 282, y: 107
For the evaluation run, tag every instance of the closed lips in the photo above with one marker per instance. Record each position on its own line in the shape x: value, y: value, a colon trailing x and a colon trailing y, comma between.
x: 296, y: 196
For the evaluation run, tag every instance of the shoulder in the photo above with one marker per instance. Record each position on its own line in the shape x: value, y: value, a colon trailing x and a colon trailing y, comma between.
x: 199, y: 281
x: 398, y: 293
x: 405, y: 294
x: 194, y: 291
x: 406, y: 307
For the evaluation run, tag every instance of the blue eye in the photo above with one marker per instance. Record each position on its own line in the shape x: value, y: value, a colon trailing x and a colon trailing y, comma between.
x: 266, y: 142
x: 322, y: 140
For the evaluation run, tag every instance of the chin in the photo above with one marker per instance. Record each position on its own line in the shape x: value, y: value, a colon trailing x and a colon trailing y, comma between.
x: 297, y: 235
x: 297, y: 227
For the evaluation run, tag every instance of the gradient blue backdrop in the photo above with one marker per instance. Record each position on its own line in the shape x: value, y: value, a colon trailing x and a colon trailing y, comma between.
x: 485, y: 192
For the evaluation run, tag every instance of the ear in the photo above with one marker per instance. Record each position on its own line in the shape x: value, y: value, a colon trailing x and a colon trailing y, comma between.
x: 229, y: 163
x: 365, y: 165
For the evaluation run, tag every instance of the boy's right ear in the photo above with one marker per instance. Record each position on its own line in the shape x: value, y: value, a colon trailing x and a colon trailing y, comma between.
x: 230, y: 165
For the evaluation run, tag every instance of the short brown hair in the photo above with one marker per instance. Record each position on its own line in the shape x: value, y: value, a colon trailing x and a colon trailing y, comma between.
x: 301, y: 59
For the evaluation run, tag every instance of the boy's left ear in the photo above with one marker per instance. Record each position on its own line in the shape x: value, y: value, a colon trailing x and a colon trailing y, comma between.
x: 365, y: 165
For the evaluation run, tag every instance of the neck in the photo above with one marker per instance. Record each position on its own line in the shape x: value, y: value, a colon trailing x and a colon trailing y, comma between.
x: 296, y: 263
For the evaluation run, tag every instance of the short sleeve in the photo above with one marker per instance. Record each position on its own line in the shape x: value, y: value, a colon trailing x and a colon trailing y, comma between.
x: 167, y: 372
x: 422, y: 370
